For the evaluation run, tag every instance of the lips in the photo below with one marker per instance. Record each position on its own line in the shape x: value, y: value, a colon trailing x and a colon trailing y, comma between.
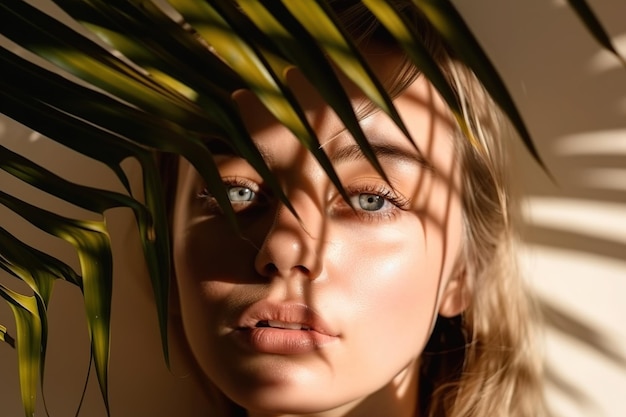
x: 284, y: 329
x: 275, y: 324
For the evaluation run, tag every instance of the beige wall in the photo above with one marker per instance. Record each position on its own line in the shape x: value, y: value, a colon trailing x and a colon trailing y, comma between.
x: 574, y: 99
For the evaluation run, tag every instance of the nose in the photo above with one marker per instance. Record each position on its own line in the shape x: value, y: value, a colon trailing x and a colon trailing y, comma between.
x: 292, y: 246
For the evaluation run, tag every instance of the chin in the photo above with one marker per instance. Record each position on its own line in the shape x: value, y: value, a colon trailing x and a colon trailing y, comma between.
x: 309, y: 406
x: 280, y: 401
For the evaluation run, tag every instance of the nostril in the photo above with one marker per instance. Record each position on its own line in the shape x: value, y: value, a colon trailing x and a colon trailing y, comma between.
x: 271, y: 269
x: 303, y: 269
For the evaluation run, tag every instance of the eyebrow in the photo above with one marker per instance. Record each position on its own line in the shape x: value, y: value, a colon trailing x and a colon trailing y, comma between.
x: 219, y: 147
x: 348, y: 153
x: 353, y: 153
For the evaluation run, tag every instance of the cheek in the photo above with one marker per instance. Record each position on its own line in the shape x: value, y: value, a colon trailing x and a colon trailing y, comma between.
x: 205, y: 268
x: 210, y: 261
x: 209, y: 252
x: 392, y: 281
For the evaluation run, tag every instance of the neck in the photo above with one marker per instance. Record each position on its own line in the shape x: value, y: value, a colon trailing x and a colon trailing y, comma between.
x: 396, y: 399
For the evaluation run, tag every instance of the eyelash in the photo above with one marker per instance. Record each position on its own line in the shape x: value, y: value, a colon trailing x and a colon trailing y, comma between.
x: 211, y: 203
x: 397, y: 201
x: 343, y: 209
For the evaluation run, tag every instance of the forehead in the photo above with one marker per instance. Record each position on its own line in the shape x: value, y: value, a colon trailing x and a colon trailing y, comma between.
x: 422, y: 110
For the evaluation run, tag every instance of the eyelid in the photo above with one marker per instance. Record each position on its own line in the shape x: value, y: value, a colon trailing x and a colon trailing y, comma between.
x: 379, y: 188
x: 235, y: 181
x: 398, y: 202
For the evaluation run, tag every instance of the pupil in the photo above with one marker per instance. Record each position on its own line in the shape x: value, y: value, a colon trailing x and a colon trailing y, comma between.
x: 240, y: 194
x: 371, y: 202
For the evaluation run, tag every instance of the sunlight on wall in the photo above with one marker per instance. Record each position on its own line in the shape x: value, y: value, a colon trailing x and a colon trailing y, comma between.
x: 573, y: 96
x: 575, y: 259
x: 592, y: 218
x: 604, y: 61
x: 585, y: 377
x: 591, y: 143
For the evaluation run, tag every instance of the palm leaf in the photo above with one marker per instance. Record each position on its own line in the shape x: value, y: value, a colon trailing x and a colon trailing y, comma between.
x: 592, y: 23
x: 301, y: 49
x: 150, y: 90
x: 154, y: 241
x: 30, y: 324
x: 53, y: 120
x: 406, y: 36
x: 150, y: 38
x: 450, y: 25
x: 92, y: 244
x: 317, y: 19
x: 38, y: 271
x: 84, y: 58
x: 165, y: 64
x: 33, y: 266
x: 243, y: 56
x: 6, y: 337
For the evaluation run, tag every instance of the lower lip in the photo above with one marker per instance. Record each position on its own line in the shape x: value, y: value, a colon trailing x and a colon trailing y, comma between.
x: 283, y: 341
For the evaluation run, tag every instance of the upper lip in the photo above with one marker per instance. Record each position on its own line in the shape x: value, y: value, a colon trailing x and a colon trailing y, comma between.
x: 295, y: 313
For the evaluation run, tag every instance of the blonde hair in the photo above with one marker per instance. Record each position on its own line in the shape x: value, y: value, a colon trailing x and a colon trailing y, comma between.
x: 496, y: 370
x: 482, y: 362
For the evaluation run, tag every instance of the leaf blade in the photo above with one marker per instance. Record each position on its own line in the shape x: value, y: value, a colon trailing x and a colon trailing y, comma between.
x: 451, y: 26
x: 587, y: 16
x: 29, y: 325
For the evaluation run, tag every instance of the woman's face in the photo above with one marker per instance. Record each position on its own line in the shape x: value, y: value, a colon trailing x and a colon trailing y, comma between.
x: 322, y: 312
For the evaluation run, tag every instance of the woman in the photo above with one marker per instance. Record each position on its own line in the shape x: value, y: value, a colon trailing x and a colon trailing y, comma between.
x: 399, y: 301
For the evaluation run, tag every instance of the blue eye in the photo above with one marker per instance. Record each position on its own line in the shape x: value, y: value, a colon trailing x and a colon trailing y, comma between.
x: 239, y: 194
x: 371, y: 202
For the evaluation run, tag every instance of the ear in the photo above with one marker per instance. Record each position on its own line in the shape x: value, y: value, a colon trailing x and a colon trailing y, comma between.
x: 456, y: 295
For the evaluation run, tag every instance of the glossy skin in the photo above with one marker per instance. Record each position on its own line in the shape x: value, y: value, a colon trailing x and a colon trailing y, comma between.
x: 374, y: 278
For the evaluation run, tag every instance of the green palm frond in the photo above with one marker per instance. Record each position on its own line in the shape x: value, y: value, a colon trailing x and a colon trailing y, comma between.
x: 5, y: 337
x: 162, y: 80
x: 30, y: 336
x: 450, y: 25
x: 92, y: 243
